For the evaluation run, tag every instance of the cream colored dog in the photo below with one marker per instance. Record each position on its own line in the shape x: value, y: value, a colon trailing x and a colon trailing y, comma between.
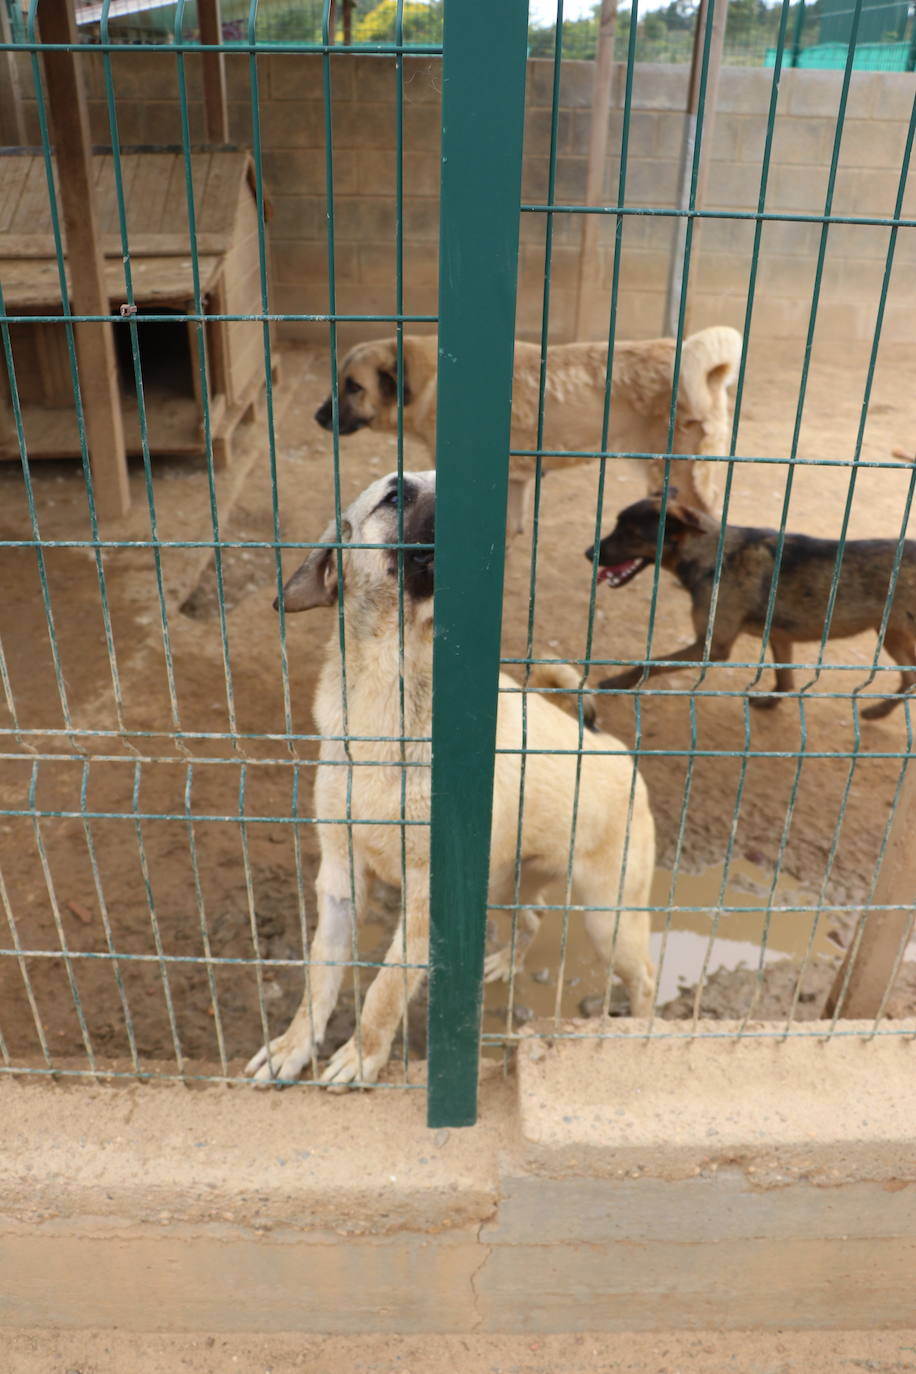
x: 371, y: 796
x: 573, y: 405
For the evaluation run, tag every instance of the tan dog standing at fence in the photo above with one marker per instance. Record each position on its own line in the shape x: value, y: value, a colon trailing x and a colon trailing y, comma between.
x: 573, y: 407
x: 375, y: 801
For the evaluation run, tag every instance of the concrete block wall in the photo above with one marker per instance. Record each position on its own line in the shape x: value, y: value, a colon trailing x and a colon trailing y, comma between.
x: 619, y: 1185
x: 291, y: 105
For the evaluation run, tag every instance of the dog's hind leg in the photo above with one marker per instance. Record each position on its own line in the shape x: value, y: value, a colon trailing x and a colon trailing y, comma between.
x: 899, y: 644
x: 621, y: 944
x: 338, y: 910
x: 365, y: 1054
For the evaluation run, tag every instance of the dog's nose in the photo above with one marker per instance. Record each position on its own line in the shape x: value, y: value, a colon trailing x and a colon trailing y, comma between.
x: 323, y: 414
x: 590, y: 553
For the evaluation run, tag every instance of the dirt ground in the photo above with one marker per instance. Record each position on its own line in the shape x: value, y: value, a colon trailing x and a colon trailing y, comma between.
x: 163, y: 865
x: 675, y: 1352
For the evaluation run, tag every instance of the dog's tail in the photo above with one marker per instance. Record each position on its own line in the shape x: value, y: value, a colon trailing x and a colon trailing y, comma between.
x: 903, y: 455
x: 566, y: 677
x: 709, y: 363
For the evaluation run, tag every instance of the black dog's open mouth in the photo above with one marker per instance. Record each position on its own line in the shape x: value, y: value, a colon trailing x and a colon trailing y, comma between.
x: 618, y: 574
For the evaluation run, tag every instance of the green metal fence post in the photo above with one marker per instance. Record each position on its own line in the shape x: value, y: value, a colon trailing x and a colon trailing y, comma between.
x: 483, y: 100
x: 797, y: 39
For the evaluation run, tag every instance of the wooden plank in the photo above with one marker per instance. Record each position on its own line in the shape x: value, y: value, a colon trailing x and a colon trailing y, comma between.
x: 175, y: 204
x: 14, y: 172
x: 880, y: 936
x: 589, y: 267
x: 147, y: 192
x: 173, y: 421
x: 34, y: 248
x: 108, y: 198
x: 95, y: 342
x: 221, y: 193
x: 33, y: 286
x: 155, y: 199
x: 216, y: 109
x: 54, y: 369
x: 710, y: 94
x: 32, y: 214
x: 24, y: 343
x: 12, y: 122
x: 217, y: 335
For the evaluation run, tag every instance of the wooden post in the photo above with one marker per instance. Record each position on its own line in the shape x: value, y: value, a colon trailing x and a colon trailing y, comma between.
x: 216, y: 111
x: 95, y: 351
x: 348, y: 22
x: 875, y: 949
x: 597, y: 154
x: 11, y: 118
x: 716, y: 44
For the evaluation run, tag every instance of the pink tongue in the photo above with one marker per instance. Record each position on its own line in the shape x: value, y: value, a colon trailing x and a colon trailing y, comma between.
x: 602, y: 574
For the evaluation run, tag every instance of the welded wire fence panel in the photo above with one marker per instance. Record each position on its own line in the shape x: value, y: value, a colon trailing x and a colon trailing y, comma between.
x: 820, y: 34
x: 182, y: 891
x: 161, y: 824
x: 785, y: 531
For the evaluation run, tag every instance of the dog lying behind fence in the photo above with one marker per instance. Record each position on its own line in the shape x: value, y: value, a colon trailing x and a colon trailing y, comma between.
x: 373, y: 728
x: 573, y: 406
x: 803, y: 589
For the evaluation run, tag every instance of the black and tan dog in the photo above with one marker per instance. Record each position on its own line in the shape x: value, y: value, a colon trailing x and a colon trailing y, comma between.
x: 806, y: 573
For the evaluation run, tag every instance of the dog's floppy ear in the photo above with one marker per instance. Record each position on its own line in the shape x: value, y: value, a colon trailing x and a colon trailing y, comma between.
x: 388, y: 379
x: 314, y: 583
x: 687, y: 517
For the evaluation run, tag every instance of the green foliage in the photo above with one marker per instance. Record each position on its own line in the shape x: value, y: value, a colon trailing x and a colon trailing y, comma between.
x: 422, y: 22
x: 666, y: 34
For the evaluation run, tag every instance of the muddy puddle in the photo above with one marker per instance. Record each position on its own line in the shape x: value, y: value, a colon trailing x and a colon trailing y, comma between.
x: 693, y: 932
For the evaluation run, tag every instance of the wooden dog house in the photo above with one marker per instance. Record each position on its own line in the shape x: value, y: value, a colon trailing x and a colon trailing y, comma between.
x: 162, y: 269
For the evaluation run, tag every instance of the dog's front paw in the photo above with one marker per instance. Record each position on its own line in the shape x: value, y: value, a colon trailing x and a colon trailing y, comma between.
x: 282, y: 1061
x: 764, y: 703
x: 353, y: 1064
x: 497, y: 967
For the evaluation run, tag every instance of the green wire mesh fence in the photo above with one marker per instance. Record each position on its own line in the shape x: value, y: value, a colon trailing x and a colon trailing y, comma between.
x: 159, y: 818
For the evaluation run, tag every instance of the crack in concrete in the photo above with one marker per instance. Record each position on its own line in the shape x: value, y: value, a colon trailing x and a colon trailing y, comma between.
x: 475, y: 1276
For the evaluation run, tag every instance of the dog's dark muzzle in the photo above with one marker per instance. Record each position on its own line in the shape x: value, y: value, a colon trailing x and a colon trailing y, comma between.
x: 419, y: 566
x: 347, y: 423
x: 418, y: 563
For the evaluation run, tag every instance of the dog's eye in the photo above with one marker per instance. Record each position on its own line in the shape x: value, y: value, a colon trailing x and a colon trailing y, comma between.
x: 352, y: 388
x: 391, y: 497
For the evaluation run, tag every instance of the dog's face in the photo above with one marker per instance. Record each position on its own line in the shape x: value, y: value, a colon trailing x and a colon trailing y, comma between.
x: 632, y: 543
x: 367, y: 389
x: 371, y: 573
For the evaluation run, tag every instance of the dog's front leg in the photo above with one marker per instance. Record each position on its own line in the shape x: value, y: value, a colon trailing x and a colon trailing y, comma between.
x: 285, y: 1057
x: 781, y: 648
x: 366, y: 1053
x: 518, y: 506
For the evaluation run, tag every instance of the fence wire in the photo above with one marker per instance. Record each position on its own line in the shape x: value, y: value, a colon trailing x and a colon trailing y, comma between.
x: 159, y: 822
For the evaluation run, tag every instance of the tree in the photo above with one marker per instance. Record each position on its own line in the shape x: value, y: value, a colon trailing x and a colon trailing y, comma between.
x: 654, y: 28
x: 422, y: 22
